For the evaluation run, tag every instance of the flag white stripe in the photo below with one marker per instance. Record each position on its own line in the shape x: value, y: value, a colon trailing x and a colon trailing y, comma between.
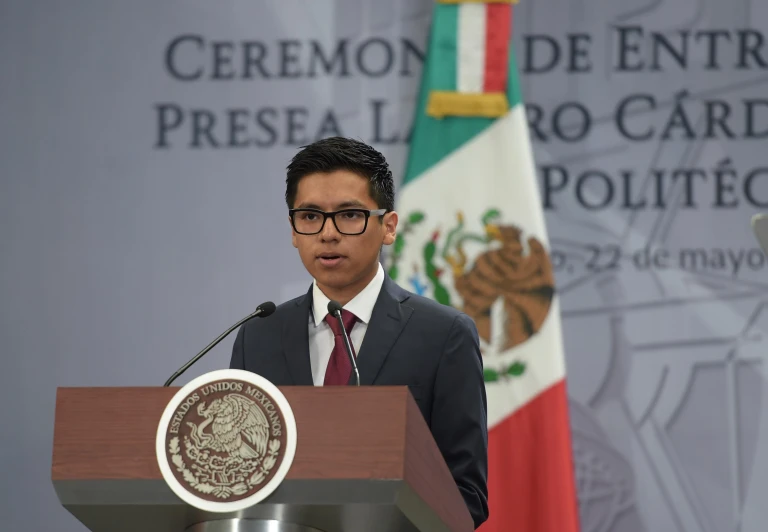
x: 470, y: 68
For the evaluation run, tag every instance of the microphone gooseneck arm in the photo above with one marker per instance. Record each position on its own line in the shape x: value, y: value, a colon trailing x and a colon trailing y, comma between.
x: 335, y: 309
x: 265, y: 309
x: 349, y: 350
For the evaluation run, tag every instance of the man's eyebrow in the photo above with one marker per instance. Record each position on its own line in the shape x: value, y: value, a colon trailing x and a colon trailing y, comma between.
x: 308, y: 206
x: 343, y: 205
x: 351, y: 203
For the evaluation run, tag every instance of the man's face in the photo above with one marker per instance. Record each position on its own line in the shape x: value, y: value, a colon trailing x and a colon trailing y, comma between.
x: 341, y: 264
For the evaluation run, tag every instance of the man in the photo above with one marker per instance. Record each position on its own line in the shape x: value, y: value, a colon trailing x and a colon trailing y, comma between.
x: 340, y: 196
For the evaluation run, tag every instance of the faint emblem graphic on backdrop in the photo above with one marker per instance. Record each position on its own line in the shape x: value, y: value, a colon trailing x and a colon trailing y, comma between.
x: 226, y: 440
x: 638, y: 438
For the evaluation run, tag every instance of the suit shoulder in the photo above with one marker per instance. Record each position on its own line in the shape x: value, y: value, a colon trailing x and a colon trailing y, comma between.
x: 286, y: 306
x: 444, y: 314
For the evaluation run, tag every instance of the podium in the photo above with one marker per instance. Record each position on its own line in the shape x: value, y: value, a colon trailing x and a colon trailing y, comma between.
x: 365, y: 461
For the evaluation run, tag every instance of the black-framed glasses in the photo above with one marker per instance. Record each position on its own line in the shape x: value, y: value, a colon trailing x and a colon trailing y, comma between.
x: 347, y: 221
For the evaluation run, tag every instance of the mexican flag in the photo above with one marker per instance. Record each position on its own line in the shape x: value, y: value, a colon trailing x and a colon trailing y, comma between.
x: 472, y: 235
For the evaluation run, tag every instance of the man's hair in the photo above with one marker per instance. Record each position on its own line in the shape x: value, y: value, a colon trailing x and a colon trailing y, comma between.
x: 339, y: 153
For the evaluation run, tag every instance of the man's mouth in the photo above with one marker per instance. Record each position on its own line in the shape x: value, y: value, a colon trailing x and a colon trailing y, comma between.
x: 330, y: 259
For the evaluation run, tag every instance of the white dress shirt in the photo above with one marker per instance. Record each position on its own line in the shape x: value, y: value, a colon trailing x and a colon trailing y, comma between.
x: 321, y: 340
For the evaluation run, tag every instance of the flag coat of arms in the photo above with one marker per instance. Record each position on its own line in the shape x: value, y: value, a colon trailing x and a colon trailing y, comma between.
x: 472, y: 235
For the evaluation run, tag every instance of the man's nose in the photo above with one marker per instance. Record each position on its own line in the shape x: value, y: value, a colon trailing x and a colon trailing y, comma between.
x: 329, y: 231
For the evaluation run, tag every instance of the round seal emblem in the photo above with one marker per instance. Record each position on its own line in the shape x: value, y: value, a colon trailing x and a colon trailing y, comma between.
x: 226, y: 440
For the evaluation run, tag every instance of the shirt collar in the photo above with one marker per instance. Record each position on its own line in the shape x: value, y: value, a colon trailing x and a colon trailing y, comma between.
x: 361, y: 305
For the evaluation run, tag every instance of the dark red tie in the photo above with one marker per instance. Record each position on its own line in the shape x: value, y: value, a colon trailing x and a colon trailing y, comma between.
x: 339, y: 368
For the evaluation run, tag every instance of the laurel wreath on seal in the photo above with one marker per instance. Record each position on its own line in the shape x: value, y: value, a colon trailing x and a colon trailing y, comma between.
x: 222, y: 491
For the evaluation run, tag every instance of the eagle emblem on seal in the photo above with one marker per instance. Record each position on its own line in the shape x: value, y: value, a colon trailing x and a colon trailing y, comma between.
x: 227, y: 447
x: 238, y: 428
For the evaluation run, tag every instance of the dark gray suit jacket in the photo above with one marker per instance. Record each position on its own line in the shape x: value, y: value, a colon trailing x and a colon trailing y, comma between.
x: 410, y: 340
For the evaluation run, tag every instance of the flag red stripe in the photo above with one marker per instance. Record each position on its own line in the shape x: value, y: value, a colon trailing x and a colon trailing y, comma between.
x: 531, y: 484
x: 498, y: 28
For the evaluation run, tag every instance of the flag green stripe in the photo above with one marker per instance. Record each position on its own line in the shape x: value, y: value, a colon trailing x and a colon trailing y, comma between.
x: 443, y: 48
x: 433, y: 139
x: 514, y: 92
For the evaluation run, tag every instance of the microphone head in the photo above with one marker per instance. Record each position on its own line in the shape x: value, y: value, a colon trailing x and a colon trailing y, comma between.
x: 266, y: 309
x: 334, y: 308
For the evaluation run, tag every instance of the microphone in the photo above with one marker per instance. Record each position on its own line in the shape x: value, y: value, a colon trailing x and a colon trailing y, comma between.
x: 334, y: 309
x: 262, y: 311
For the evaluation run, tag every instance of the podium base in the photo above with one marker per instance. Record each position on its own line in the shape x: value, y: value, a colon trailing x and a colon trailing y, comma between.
x: 249, y: 525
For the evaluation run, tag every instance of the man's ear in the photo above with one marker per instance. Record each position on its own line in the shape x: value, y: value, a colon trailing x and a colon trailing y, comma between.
x: 390, y: 228
x: 293, y: 233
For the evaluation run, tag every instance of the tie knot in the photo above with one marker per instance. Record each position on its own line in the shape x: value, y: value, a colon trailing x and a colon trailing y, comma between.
x: 346, y: 316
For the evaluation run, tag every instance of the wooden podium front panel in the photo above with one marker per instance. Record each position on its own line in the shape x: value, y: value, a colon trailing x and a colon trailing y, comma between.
x: 109, y: 433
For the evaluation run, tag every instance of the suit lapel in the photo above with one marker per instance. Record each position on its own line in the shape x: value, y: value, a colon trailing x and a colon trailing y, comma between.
x: 388, y: 320
x: 296, y: 341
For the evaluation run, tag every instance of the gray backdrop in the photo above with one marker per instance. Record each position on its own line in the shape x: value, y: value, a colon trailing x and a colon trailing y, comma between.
x: 141, y: 213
